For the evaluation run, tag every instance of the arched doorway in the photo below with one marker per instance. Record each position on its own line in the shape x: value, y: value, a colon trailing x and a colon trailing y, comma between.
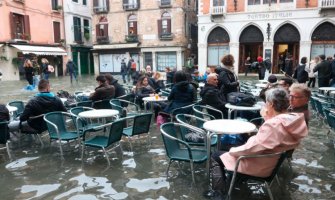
x: 218, y: 46
x: 286, y: 42
x: 251, y: 45
x: 323, y: 40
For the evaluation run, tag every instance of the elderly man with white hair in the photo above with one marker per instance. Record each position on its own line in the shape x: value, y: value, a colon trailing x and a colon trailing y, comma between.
x: 210, y: 95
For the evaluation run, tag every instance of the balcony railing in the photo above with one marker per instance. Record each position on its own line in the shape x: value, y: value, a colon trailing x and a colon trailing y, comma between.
x: 131, y: 38
x: 133, y: 6
x: 218, y: 10
x: 166, y: 36
x: 326, y: 4
x: 100, y: 9
x: 102, y: 39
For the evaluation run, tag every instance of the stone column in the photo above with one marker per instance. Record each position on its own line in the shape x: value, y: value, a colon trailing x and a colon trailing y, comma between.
x: 179, y: 60
x: 305, y: 50
x: 234, y: 50
x: 202, y: 57
x: 96, y: 63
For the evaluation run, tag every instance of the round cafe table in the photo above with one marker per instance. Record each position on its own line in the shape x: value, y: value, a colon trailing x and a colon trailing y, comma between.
x: 235, y: 108
x: 261, y: 85
x: 325, y: 90
x: 100, y: 113
x: 11, y: 109
x: 220, y: 127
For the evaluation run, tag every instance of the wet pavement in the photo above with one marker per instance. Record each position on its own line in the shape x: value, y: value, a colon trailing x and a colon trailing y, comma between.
x: 38, y: 172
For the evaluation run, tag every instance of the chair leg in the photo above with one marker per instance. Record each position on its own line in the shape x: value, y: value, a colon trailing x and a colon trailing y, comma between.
x: 167, y: 170
x: 192, y: 170
x: 40, y: 139
x: 82, y: 152
x: 277, y: 179
x: 131, y: 147
x: 231, y: 187
x: 269, y: 190
x: 8, y: 152
x: 60, y: 147
x: 106, y: 156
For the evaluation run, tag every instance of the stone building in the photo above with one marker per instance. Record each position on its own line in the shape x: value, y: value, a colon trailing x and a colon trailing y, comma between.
x: 269, y: 28
x: 30, y: 29
x: 152, y: 32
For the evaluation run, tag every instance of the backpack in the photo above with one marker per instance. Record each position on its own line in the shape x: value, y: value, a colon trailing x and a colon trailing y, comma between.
x: 241, y: 99
x: 133, y: 65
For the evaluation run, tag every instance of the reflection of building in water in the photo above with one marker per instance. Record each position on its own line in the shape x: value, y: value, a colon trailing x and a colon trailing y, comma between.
x: 252, y: 28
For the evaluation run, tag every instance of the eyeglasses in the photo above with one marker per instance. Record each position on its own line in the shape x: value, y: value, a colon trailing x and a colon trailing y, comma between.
x: 296, y: 97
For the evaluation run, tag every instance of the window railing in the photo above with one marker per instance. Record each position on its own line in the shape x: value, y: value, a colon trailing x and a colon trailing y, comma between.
x: 218, y: 10
x: 100, y: 9
x: 327, y: 3
x: 131, y: 38
x: 132, y: 6
x: 166, y: 36
x: 103, y: 39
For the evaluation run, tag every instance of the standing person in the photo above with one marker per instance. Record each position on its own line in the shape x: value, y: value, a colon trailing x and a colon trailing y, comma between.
x: 129, y: 70
x: 261, y: 68
x: 247, y: 65
x: 45, y: 70
x: 311, y: 74
x: 228, y: 81
x: 281, y: 63
x: 29, y: 71
x: 289, y: 66
x: 169, y: 75
x: 324, y: 71
x: 124, y: 71
x: 71, y: 69
x: 300, y: 72
x: 332, y: 65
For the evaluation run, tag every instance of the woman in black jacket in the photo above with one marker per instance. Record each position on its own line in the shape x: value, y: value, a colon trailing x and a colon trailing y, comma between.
x: 300, y: 73
x: 29, y: 71
x: 143, y: 89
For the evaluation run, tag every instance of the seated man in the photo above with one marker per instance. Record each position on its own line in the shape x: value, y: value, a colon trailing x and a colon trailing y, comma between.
x: 299, y: 98
x: 4, y: 113
x: 43, y: 102
x: 281, y: 131
x: 285, y: 83
x: 119, y: 90
x: 210, y: 95
x: 103, y: 91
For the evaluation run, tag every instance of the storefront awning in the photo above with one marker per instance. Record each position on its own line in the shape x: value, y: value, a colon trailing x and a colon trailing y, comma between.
x: 41, y: 50
x: 115, y: 46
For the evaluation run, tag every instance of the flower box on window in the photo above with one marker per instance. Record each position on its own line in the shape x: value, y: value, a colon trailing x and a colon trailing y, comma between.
x: 166, y: 36
x: 131, y: 38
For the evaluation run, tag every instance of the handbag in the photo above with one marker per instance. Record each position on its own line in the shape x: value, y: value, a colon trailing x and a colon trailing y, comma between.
x: 194, y: 137
x: 241, y: 99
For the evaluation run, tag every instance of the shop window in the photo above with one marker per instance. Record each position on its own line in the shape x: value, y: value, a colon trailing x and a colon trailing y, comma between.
x: 166, y: 59
x: 56, y: 26
x: 20, y: 26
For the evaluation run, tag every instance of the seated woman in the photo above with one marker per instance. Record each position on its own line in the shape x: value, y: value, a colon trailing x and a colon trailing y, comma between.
x: 143, y: 89
x: 182, y: 94
x: 281, y: 131
x: 156, y: 82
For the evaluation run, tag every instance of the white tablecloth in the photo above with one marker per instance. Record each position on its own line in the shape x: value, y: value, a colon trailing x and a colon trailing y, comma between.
x: 100, y: 113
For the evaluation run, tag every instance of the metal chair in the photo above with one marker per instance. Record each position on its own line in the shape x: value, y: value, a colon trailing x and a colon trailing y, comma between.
x: 193, y: 121
x: 102, y: 104
x: 122, y: 106
x: 4, y: 137
x: 88, y: 103
x: 20, y: 107
x: 179, y: 150
x: 204, y: 111
x: 101, y: 141
x: 58, y: 128
x: 266, y: 180
x: 39, y: 126
x: 141, y: 125
x: 79, y: 123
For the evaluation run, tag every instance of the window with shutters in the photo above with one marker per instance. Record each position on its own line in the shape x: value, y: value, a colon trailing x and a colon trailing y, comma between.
x: 131, y: 4
x: 102, y: 31
x: 77, y: 30
x: 56, y: 26
x: 132, y: 29
x: 54, y: 4
x: 87, y: 34
x: 100, y: 6
x: 164, y: 27
x: 20, y: 26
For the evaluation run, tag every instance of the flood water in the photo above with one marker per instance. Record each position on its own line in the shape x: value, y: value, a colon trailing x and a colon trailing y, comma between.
x: 38, y: 172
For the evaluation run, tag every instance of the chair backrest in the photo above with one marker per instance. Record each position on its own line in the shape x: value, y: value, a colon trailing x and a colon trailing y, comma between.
x: 142, y: 123
x: 38, y: 123
x: 115, y: 132
x: 75, y: 112
x: 19, y: 105
x: 279, y: 163
x: 88, y: 103
x: 4, y: 132
x: 116, y: 105
x: 170, y: 139
x: 102, y: 104
x: 55, y: 121
x: 203, y: 111
x: 189, y: 120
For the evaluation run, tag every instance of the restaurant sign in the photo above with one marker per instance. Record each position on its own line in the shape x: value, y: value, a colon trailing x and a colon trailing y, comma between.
x: 275, y: 15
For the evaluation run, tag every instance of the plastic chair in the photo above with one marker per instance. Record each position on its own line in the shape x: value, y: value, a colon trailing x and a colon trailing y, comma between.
x: 266, y: 180
x: 4, y: 137
x: 88, y: 103
x: 20, y: 107
x: 189, y: 120
x: 57, y: 127
x: 102, y: 104
x: 179, y: 150
x: 141, y: 125
x: 101, y: 141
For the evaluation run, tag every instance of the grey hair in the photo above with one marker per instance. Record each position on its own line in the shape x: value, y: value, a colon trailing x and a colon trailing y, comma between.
x: 279, y: 99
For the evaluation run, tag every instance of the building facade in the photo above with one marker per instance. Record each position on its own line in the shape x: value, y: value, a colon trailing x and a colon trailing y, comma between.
x: 272, y: 29
x: 78, y: 34
x: 30, y: 31
x: 151, y: 32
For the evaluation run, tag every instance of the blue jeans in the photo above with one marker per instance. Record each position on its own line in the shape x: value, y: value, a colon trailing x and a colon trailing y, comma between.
x: 74, y: 75
x: 46, y: 76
